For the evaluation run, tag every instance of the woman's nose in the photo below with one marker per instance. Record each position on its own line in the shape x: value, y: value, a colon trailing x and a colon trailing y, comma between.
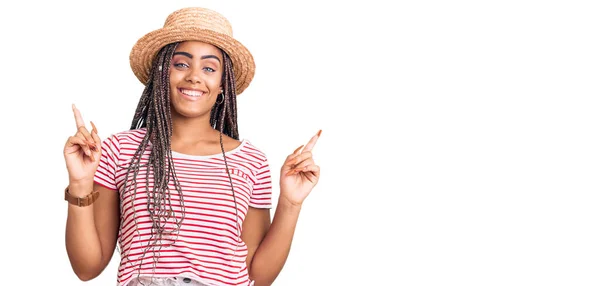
x: 194, y: 75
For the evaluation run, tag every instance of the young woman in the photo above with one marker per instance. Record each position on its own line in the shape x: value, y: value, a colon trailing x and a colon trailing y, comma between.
x: 188, y: 203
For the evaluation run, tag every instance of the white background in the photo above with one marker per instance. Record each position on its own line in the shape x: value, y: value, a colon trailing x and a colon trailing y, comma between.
x: 460, y: 139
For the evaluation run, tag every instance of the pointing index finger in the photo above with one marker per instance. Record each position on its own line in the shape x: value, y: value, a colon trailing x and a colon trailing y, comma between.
x: 311, y: 144
x: 78, y: 119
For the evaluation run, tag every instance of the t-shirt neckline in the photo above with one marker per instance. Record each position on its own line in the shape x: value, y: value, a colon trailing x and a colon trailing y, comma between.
x: 188, y: 156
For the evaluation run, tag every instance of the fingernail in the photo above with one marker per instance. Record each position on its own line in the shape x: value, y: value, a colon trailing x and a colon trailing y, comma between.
x: 94, y: 128
x: 293, y: 171
x: 298, y: 149
x: 319, y: 134
x: 73, y: 106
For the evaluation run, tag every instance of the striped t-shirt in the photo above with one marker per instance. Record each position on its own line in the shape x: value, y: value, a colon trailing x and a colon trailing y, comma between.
x: 207, y: 247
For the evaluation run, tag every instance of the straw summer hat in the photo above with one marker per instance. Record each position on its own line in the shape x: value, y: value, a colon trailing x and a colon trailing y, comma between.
x: 194, y: 24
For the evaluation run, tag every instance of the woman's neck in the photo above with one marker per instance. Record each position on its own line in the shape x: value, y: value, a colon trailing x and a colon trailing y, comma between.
x: 193, y: 130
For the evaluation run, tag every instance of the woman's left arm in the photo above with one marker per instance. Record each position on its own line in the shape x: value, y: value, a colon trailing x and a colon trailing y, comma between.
x: 269, y: 244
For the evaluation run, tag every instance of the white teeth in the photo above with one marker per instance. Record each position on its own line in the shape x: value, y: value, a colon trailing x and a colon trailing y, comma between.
x: 191, y: 92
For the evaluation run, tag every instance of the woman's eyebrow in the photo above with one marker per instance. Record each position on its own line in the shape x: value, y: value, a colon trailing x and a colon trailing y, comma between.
x: 184, y: 54
x: 202, y: 57
x: 210, y: 57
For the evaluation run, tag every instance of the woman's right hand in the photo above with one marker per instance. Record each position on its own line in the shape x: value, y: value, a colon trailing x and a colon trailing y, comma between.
x: 82, y: 155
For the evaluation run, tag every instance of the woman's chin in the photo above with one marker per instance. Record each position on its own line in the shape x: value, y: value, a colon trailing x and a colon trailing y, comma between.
x: 191, y: 113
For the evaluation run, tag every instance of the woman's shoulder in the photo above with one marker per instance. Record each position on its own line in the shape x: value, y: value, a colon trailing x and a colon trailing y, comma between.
x: 133, y: 136
x: 252, y: 151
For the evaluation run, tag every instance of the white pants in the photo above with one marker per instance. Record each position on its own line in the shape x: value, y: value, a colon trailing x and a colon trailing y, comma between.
x: 160, y: 281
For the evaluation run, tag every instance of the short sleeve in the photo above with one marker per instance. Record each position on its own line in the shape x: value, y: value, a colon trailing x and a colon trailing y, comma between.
x: 261, y: 193
x: 107, y: 169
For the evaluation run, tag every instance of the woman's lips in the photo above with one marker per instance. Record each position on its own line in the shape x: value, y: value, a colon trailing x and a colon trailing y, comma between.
x: 191, y: 94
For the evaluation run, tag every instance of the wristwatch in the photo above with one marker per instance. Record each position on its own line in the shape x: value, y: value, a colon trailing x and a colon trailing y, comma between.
x: 81, y: 202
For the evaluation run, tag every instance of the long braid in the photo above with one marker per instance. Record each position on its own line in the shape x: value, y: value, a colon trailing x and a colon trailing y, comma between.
x: 226, y: 113
x: 154, y: 114
x: 228, y: 123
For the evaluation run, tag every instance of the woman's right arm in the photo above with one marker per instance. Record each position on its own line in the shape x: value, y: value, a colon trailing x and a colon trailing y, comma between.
x: 91, y: 232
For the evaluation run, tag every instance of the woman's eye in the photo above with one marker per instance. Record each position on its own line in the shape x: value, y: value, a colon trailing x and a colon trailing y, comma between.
x: 208, y: 69
x: 180, y: 65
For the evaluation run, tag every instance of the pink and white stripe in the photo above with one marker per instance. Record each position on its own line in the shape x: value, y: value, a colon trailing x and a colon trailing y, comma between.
x: 207, y: 245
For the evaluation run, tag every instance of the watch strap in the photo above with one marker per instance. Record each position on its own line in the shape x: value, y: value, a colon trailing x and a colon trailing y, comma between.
x: 81, y: 202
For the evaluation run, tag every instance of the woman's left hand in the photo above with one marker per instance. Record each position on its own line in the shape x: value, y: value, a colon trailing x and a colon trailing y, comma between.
x: 299, y: 174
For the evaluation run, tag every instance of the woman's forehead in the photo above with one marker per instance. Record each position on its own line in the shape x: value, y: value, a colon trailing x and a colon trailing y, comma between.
x: 198, y: 48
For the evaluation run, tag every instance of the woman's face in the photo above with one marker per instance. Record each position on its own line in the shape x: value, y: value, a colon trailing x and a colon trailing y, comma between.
x: 195, y: 78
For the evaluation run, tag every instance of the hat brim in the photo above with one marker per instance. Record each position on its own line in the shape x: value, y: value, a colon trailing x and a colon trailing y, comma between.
x: 147, y: 47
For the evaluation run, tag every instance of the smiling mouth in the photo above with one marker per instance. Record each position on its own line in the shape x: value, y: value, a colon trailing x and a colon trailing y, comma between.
x: 190, y: 92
